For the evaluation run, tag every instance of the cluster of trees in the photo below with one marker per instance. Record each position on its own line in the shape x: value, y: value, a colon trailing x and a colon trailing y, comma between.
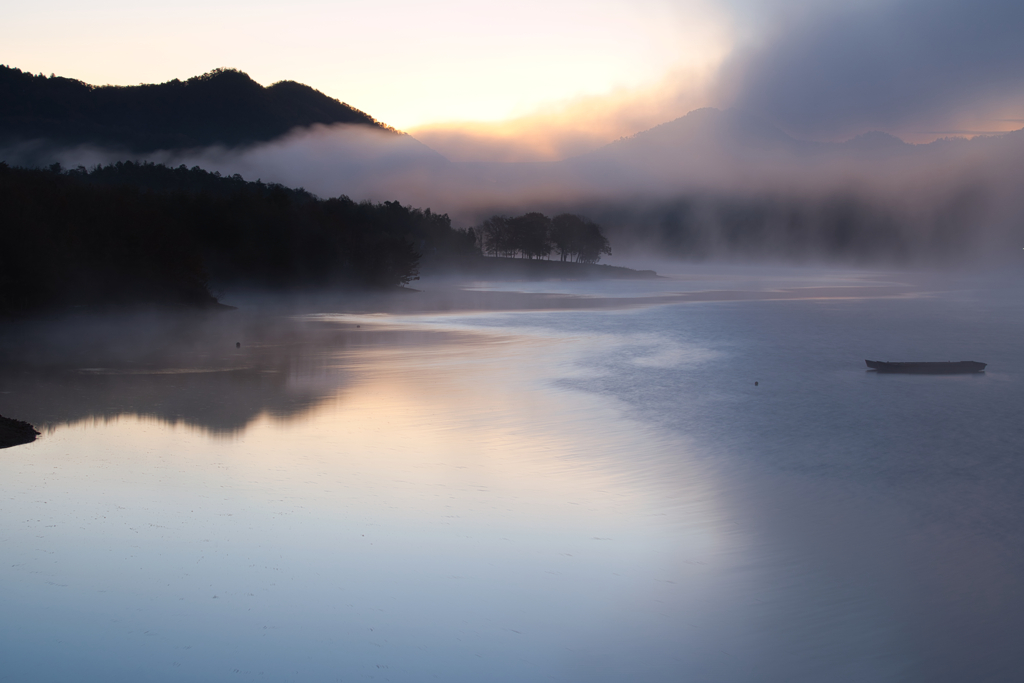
x: 222, y: 107
x: 144, y: 233
x: 534, y: 235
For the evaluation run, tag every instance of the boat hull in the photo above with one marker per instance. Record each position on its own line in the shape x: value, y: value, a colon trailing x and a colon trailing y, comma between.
x: 948, y: 368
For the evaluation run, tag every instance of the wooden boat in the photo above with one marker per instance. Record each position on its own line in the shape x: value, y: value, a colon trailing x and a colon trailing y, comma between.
x: 948, y: 368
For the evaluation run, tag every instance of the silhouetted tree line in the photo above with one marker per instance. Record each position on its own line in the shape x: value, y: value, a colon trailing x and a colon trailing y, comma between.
x: 223, y: 107
x: 144, y: 233
x: 533, y: 235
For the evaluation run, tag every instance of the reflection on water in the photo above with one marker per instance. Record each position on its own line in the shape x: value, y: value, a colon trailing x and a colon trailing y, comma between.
x: 575, y: 495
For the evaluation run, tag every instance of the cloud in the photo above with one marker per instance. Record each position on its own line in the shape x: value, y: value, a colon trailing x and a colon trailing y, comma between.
x: 355, y: 160
x: 360, y: 161
x: 911, y: 66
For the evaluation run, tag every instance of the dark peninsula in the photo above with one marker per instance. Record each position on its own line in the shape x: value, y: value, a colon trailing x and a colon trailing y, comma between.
x: 15, y: 432
x: 133, y: 234
x: 140, y: 234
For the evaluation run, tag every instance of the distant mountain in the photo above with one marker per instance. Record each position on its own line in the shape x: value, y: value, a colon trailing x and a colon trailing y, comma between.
x: 707, y: 129
x: 222, y: 107
x: 706, y: 145
x: 719, y: 149
x: 714, y: 134
x: 712, y: 137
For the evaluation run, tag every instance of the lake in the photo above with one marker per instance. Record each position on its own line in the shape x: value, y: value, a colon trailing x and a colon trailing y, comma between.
x: 524, y: 481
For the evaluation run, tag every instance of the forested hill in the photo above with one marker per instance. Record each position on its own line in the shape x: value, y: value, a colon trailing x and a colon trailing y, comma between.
x: 142, y: 234
x: 222, y: 107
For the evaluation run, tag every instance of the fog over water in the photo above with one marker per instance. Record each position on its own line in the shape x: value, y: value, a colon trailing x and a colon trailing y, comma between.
x: 712, y: 185
x: 522, y: 481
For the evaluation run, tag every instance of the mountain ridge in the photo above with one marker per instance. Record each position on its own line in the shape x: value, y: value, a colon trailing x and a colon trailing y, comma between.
x: 737, y: 132
x: 221, y: 107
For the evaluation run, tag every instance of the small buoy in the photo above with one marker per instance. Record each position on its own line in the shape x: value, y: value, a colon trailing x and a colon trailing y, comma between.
x: 357, y: 325
x: 755, y: 384
x: 238, y: 345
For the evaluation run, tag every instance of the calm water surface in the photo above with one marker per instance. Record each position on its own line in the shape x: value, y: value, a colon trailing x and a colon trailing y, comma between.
x: 566, y: 495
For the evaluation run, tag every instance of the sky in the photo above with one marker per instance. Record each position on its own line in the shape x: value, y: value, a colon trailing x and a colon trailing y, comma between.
x: 547, y: 79
x: 406, y: 62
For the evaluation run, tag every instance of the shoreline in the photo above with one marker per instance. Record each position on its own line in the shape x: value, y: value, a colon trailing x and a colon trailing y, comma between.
x: 503, y: 267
